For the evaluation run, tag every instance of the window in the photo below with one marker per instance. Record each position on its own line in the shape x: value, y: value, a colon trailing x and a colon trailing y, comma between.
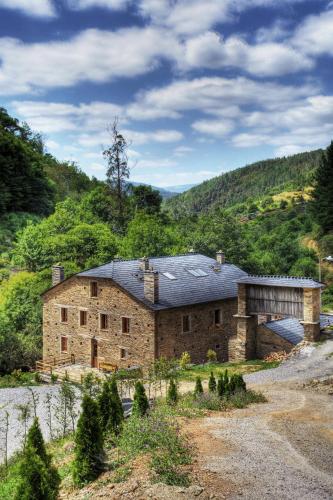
x: 186, y: 323
x: 198, y: 273
x: 83, y: 318
x: 169, y: 276
x: 123, y: 353
x: 64, y: 315
x: 125, y: 325
x: 103, y: 321
x: 217, y: 316
x: 64, y: 344
x: 93, y: 289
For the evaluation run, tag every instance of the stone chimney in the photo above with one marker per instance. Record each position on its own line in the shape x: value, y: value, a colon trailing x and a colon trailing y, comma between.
x: 220, y: 257
x: 151, y: 286
x: 58, y: 274
x: 144, y: 264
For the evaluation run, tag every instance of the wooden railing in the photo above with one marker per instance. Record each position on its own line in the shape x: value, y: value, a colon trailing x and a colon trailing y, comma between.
x: 50, y: 364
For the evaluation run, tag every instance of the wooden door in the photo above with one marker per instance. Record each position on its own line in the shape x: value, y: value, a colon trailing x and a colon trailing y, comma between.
x: 94, y: 353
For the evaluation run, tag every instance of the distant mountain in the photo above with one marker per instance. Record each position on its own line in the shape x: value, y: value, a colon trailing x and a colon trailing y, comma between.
x: 250, y: 182
x: 165, y: 192
x: 180, y: 189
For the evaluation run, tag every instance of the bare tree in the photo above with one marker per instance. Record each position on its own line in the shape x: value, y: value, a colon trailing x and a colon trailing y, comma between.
x: 118, y: 170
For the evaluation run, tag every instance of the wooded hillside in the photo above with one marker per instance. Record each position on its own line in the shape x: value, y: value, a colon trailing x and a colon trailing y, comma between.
x: 246, y: 183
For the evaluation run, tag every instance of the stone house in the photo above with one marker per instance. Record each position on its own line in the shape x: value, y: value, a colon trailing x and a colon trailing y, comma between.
x: 130, y: 312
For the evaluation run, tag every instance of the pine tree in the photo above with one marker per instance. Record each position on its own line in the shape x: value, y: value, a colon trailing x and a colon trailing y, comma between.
x: 232, y: 384
x: 240, y: 382
x: 88, y: 449
x: 322, y: 194
x: 198, y: 387
x: 212, y: 383
x: 172, y: 396
x: 140, y: 400
x: 117, y: 400
x: 221, y: 387
x: 104, y: 400
x: 39, y: 480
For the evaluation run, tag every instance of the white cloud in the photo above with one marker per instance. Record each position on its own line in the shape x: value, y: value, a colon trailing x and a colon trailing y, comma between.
x: 33, y: 8
x: 315, y: 35
x: 51, y: 117
x: 216, y: 128
x: 92, y: 55
x: 135, y: 137
x: 181, y: 151
x: 155, y: 163
x: 106, y: 4
x: 196, y: 16
x: 209, y: 50
x: 217, y: 96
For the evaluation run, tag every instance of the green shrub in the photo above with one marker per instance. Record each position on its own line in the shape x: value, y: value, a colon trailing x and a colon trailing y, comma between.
x: 110, y: 408
x: 211, y: 356
x: 163, y: 465
x: 88, y: 450
x: 37, y: 377
x: 212, y: 383
x: 140, y: 400
x: 198, y: 387
x: 221, y: 386
x: 241, y: 399
x: 172, y: 395
x: 185, y: 360
x: 54, y: 378
x: 38, y: 479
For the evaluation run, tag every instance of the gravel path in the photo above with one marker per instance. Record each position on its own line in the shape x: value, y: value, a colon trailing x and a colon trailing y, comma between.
x: 282, y: 449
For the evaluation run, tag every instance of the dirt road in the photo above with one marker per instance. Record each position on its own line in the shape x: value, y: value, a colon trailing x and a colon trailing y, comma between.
x: 282, y: 449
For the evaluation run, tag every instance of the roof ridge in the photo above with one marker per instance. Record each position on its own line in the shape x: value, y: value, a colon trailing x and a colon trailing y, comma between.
x: 284, y: 276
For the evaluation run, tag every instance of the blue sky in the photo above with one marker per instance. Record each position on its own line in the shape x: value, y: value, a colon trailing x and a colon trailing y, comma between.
x: 200, y: 86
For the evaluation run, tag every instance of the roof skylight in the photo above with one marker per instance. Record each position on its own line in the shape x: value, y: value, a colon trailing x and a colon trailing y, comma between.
x: 170, y: 276
x: 198, y: 273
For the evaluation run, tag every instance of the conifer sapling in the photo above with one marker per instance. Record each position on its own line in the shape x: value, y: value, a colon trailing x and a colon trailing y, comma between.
x: 172, y: 396
x: 140, y: 400
x: 198, y: 387
x: 212, y: 383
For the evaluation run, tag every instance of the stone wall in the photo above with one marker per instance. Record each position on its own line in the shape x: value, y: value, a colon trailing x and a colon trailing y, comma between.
x: 203, y: 334
x: 269, y: 342
x: 75, y: 295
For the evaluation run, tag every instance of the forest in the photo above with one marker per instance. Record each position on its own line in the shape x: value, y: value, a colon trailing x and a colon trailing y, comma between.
x: 273, y: 217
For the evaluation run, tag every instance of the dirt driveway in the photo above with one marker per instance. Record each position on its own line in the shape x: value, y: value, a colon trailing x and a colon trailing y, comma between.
x: 282, y: 449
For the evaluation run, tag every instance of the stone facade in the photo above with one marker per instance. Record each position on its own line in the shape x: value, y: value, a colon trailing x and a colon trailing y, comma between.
x: 152, y: 333
x: 268, y: 342
x: 137, y: 346
x: 203, y: 333
x: 311, y: 321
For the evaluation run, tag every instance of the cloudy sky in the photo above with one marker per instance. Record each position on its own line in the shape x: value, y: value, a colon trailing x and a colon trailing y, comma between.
x: 200, y: 86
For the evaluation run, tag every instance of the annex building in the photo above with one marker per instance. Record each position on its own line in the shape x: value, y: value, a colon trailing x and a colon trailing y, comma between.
x: 130, y: 312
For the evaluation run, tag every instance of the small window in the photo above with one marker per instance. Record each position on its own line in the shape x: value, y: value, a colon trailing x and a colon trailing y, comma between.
x: 93, y: 289
x: 198, y: 273
x: 123, y: 353
x: 169, y: 276
x: 83, y: 318
x: 217, y: 317
x: 103, y: 321
x: 186, y: 323
x: 125, y: 325
x: 64, y: 315
x: 64, y: 344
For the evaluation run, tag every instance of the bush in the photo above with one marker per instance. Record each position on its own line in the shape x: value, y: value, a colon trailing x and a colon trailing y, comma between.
x: 211, y: 356
x: 185, y: 360
x: 198, y: 387
x: 221, y: 386
x: 37, y: 377
x: 172, y: 395
x: 54, y: 378
x: 208, y: 401
x: 212, y: 383
x: 88, y: 461
x: 140, y: 400
x: 38, y: 479
x: 110, y: 408
x: 241, y: 399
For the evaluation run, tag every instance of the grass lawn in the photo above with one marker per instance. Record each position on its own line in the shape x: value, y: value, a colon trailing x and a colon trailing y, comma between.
x: 244, y: 367
x: 19, y: 379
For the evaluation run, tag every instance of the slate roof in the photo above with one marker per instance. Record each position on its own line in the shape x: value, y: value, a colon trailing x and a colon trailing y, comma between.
x: 186, y: 289
x: 291, y: 329
x: 285, y: 281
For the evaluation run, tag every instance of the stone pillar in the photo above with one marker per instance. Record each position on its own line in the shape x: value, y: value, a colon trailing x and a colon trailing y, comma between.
x: 151, y: 286
x: 243, y: 346
x: 311, y: 320
x: 58, y: 275
x: 144, y: 264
